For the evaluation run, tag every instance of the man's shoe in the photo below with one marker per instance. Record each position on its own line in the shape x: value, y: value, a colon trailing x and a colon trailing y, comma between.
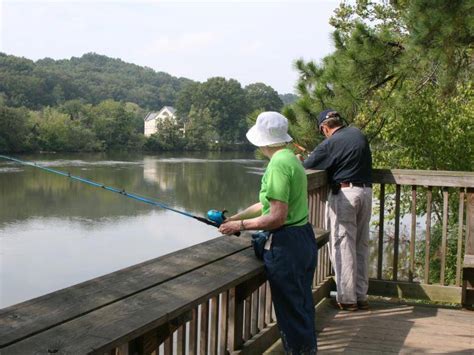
x: 350, y: 307
x: 363, y: 305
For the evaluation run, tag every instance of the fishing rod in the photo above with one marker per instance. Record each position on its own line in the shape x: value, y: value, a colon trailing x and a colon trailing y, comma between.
x: 216, y: 218
x: 300, y: 148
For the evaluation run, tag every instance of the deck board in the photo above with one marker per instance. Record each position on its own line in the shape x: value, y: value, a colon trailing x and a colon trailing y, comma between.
x: 37, y: 315
x: 392, y: 328
x: 116, y: 323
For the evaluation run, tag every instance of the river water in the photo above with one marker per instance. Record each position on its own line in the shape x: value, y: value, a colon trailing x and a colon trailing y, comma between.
x: 56, y: 232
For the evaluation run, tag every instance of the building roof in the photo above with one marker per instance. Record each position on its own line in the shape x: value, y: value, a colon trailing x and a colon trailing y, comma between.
x: 153, y: 115
x: 169, y: 108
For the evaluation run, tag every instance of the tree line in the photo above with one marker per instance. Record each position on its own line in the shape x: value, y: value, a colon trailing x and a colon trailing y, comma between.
x: 96, y: 103
x: 92, y: 78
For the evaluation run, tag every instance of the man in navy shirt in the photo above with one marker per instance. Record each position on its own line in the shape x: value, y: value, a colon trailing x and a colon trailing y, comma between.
x: 345, y: 155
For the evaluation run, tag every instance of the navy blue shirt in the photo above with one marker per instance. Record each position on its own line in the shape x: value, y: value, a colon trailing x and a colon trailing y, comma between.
x: 346, y: 157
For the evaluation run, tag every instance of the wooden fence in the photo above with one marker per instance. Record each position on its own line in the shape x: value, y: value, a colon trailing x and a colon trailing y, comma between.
x: 451, y: 191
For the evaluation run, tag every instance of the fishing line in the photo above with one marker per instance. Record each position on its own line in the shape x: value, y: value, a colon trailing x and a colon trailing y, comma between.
x: 113, y: 189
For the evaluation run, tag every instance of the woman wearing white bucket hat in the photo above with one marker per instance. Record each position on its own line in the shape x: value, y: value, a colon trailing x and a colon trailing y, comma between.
x: 290, y: 252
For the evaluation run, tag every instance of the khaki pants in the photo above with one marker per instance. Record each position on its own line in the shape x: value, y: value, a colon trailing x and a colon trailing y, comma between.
x: 348, y: 216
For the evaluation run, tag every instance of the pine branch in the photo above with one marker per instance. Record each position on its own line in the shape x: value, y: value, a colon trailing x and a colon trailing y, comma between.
x: 420, y: 86
x: 395, y: 44
x: 378, y: 108
x: 376, y: 86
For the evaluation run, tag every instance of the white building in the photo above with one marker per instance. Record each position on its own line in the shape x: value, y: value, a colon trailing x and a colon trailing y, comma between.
x: 151, y: 120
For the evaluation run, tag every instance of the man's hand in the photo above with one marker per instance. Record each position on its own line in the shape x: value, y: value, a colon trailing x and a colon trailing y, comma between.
x: 300, y: 157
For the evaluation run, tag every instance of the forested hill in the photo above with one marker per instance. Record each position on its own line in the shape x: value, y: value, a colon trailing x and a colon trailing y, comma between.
x: 92, y: 78
x: 96, y: 103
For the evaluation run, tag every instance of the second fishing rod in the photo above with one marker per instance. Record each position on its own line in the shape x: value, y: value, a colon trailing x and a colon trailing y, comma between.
x: 214, y: 217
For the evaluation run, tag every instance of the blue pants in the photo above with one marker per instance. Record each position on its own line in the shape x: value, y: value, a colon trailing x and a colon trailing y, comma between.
x: 290, y: 264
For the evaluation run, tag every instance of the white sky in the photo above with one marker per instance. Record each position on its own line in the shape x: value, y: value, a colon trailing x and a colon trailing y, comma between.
x: 249, y: 41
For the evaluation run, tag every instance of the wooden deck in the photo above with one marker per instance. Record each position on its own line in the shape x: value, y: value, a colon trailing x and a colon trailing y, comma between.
x: 392, y: 328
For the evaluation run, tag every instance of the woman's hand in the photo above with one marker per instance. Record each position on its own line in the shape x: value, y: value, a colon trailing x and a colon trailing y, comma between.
x: 274, y: 220
x: 230, y: 227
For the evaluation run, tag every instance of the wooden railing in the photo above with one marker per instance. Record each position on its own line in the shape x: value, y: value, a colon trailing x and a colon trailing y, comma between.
x: 451, y: 190
x: 211, y: 298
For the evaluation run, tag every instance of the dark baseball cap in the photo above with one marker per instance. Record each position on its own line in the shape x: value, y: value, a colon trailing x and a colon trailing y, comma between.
x: 324, y: 115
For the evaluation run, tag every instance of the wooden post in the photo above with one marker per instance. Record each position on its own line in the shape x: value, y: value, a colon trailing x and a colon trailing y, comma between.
x: 254, y: 313
x: 381, y: 232
x: 181, y: 340
x: 236, y: 320
x: 261, y: 307
x: 397, y: 233
x: 214, y: 328
x: 193, y: 333
x: 428, y: 235
x: 444, y: 237
x: 204, y: 331
x: 459, y: 255
x: 468, y: 267
x: 470, y: 223
x: 224, y: 307
x: 411, y: 271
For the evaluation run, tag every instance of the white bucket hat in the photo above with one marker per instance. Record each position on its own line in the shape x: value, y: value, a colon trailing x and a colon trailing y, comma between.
x: 271, y: 128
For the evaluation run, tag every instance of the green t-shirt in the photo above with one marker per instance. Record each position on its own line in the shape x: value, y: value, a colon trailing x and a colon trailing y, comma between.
x: 285, y: 180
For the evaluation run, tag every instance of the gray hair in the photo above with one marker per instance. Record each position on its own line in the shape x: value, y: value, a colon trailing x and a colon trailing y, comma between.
x: 281, y: 144
x: 333, y: 120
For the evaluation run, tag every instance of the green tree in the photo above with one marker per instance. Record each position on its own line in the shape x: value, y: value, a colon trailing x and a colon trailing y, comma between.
x: 288, y: 99
x: 263, y: 97
x: 167, y: 138
x: 200, y: 131
x: 57, y: 132
x: 76, y: 110
x: 115, y: 127
x: 226, y: 102
x: 186, y: 98
x: 15, y: 130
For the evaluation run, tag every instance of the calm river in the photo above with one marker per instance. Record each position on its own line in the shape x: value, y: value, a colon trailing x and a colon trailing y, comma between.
x: 55, y: 232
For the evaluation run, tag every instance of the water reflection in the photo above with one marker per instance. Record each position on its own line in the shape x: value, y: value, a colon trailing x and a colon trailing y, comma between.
x: 196, y: 185
x: 55, y: 232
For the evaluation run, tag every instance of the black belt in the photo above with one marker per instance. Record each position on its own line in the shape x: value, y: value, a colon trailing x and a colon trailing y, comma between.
x: 289, y: 225
x: 356, y: 184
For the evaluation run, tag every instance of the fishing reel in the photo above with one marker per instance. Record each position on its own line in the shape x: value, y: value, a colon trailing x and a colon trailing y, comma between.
x: 218, y: 217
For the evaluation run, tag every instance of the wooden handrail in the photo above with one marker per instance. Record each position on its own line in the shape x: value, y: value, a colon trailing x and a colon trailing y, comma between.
x: 318, y: 178
x: 424, y: 177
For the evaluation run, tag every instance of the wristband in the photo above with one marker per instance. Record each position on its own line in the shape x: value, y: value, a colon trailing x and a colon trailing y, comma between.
x: 242, y: 226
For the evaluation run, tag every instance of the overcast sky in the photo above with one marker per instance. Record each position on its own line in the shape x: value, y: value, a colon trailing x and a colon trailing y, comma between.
x: 250, y: 41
